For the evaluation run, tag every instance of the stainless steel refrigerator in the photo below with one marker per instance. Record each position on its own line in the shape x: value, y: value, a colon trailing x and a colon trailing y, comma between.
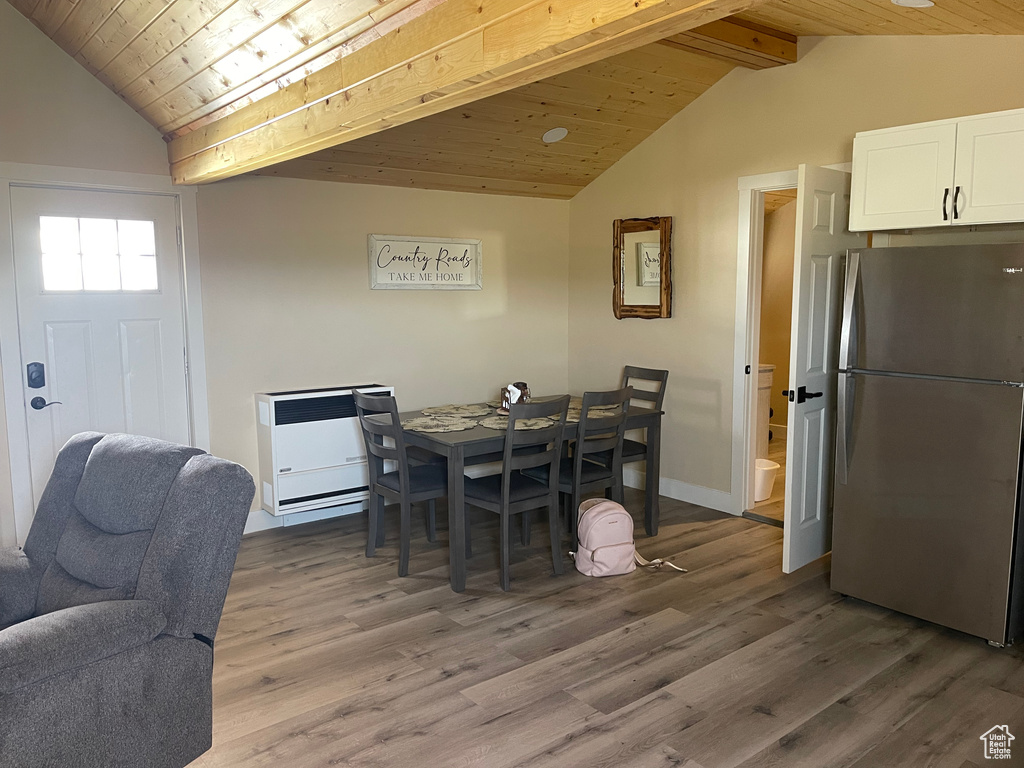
x: 928, y: 441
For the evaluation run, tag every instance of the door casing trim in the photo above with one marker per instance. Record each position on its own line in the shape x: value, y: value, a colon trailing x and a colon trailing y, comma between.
x: 750, y: 244
x: 11, y: 364
x: 749, y: 256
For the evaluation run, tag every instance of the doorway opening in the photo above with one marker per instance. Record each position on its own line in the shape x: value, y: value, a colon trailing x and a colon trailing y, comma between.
x: 774, y: 331
x: 821, y: 241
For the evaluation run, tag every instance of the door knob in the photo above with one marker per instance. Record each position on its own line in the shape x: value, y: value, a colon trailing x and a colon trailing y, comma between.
x: 800, y: 394
x: 40, y: 402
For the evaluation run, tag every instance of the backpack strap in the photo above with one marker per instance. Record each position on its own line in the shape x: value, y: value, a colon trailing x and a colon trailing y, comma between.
x: 655, y: 564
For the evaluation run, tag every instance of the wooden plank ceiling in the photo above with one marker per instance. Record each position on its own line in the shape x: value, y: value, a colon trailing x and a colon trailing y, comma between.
x: 822, y: 18
x: 777, y: 199
x: 237, y: 85
x: 495, y: 145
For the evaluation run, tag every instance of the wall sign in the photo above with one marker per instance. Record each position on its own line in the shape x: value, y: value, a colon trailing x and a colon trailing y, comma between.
x: 648, y: 264
x: 418, y: 263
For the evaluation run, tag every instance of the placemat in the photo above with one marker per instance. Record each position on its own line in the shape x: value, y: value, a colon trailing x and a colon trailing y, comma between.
x: 573, y: 414
x: 501, y: 422
x: 576, y: 403
x: 438, y: 424
x: 467, y: 411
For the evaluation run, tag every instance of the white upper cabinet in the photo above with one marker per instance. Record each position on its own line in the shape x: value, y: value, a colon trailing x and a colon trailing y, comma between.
x: 964, y: 171
x: 902, y: 178
x: 989, y: 179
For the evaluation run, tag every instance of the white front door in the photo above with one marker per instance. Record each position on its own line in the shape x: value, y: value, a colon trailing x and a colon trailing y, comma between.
x: 101, y: 318
x: 822, y: 239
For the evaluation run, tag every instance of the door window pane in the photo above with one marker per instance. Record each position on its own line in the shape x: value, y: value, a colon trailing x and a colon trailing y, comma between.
x: 136, y: 238
x: 62, y: 272
x: 138, y: 273
x: 58, y: 234
x: 99, y: 236
x: 101, y: 272
x: 90, y: 254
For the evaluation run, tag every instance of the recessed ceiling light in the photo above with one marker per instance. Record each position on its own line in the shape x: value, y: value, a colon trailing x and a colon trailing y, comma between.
x: 555, y: 134
x: 914, y: 3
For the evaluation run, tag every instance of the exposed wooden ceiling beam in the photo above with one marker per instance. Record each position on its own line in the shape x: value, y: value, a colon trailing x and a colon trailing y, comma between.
x: 739, y: 42
x: 458, y: 52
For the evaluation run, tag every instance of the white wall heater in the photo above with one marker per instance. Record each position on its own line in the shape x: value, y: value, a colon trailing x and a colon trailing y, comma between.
x: 311, y: 448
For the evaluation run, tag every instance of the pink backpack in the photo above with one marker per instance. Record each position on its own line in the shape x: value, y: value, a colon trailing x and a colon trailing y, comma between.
x: 606, y: 546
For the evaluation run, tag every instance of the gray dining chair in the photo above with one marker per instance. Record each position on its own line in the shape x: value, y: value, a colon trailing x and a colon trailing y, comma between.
x: 634, y: 450
x: 596, y: 460
x: 513, y: 491
x: 408, y: 483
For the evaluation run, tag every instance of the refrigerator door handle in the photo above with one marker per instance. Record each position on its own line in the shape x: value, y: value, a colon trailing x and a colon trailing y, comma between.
x: 849, y: 300
x: 844, y: 423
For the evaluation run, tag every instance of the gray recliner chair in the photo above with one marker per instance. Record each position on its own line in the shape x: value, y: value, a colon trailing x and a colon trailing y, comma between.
x: 108, y: 614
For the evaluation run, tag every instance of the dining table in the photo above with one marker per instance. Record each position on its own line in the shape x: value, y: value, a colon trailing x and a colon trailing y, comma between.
x: 479, y: 440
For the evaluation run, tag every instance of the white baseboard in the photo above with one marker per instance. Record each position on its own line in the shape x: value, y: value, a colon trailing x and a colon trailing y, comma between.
x: 680, y: 491
x: 778, y: 430
x: 634, y: 478
x: 261, y: 520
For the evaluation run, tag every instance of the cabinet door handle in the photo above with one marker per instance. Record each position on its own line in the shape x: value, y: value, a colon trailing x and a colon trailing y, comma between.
x: 945, y: 198
x: 956, y: 196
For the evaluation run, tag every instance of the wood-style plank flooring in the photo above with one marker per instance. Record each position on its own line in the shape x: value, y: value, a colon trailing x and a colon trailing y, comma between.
x: 326, y: 658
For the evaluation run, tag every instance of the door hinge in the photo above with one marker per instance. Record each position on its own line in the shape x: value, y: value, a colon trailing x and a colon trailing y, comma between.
x: 747, y: 370
x: 178, y: 232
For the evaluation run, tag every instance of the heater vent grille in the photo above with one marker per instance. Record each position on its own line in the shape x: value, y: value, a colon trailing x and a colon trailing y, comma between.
x: 305, y: 409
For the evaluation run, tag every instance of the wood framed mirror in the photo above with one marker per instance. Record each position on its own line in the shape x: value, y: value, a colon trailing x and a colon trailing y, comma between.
x: 642, y: 267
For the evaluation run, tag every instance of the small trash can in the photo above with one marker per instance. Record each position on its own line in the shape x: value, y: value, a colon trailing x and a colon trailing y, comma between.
x: 764, y: 479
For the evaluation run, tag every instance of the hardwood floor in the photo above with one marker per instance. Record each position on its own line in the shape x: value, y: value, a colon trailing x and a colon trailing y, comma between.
x: 326, y: 658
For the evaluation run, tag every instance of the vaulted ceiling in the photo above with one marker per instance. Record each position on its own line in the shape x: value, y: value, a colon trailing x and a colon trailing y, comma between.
x: 448, y: 94
x: 496, y: 145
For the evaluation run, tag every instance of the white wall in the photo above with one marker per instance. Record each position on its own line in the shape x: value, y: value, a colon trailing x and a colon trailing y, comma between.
x: 53, y: 112
x: 750, y: 122
x: 288, y: 305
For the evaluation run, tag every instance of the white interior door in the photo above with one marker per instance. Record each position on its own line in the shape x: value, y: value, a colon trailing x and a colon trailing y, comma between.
x: 99, y: 290
x: 822, y: 240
